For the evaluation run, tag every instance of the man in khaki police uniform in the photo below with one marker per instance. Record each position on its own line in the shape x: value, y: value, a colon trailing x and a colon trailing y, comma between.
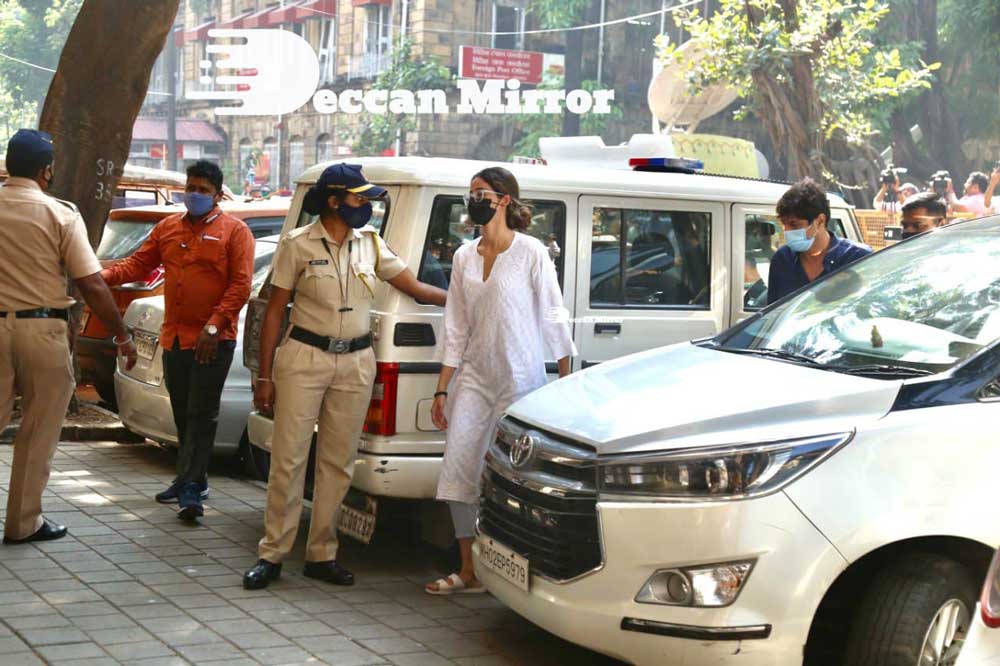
x: 325, y: 368
x: 42, y: 239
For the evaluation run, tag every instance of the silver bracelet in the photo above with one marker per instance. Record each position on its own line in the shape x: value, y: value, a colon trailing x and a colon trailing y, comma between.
x: 265, y: 379
x: 124, y: 342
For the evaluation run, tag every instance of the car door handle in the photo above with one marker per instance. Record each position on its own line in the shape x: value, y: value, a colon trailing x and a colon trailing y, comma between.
x: 607, y: 328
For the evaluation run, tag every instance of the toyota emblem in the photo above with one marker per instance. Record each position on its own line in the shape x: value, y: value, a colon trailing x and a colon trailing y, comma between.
x: 522, y: 450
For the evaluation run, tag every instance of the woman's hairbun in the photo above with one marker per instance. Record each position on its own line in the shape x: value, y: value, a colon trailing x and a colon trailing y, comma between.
x: 314, y: 200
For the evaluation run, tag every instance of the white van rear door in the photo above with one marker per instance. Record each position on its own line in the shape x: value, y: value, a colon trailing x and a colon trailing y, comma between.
x: 652, y: 272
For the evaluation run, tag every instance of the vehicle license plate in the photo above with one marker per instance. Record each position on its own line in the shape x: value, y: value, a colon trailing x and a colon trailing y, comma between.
x: 504, y: 562
x: 145, y: 345
x: 357, y: 524
x: 84, y: 320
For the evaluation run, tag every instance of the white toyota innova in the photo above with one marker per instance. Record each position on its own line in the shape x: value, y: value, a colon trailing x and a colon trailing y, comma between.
x: 644, y: 259
x: 815, y: 485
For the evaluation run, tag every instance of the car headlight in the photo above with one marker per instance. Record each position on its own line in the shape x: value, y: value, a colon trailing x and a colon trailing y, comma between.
x: 712, y: 586
x: 731, y: 472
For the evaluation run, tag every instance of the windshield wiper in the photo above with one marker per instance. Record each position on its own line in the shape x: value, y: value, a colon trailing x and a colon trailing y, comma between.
x: 894, y: 370
x: 780, y: 354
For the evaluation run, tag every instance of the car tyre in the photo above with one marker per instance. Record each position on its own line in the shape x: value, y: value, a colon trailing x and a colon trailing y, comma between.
x: 916, y: 612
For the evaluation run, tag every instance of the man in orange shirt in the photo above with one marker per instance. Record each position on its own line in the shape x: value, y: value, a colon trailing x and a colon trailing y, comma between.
x: 208, y: 256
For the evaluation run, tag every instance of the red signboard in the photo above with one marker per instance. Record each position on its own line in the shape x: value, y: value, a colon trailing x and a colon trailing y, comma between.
x: 478, y: 62
x: 158, y: 151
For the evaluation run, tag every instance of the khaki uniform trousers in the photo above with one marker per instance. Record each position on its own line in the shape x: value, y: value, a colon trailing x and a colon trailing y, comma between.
x: 35, y: 362
x: 310, y: 385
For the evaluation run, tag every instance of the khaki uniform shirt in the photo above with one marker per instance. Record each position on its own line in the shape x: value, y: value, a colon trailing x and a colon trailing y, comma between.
x: 42, y: 239
x: 325, y: 284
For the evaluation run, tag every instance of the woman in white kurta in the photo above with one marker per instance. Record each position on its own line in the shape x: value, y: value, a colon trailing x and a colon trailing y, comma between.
x: 501, y: 321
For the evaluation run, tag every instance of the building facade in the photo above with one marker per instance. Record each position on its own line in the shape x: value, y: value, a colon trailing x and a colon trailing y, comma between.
x: 355, y: 40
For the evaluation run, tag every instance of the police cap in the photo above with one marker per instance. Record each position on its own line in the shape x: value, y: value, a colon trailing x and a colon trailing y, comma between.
x: 29, y: 146
x: 337, y: 179
x: 349, y: 177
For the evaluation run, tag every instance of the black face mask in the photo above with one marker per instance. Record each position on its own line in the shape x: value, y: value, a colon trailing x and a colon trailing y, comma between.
x: 908, y: 234
x: 355, y: 218
x: 481, y: 212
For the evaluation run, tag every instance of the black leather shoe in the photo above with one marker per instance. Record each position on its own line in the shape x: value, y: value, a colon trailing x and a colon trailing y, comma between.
x: 331, y: 572
x: 47, y: 532
x: 261, y: 575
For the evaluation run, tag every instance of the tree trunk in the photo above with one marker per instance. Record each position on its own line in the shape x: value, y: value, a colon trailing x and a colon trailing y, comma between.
x: 95, y: 96
x: 794, y: 120
x: 941, y: 147
x: 574, y: 74
x: 93, y: 101
x: 574, y: 77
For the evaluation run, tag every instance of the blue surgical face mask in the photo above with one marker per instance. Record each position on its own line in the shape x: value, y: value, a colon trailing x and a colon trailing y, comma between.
x: 355, y: 217
x: 198, y: 204
x: 798, y: 241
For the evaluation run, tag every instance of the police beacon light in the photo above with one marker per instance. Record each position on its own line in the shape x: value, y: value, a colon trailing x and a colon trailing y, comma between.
x: 666, y: 164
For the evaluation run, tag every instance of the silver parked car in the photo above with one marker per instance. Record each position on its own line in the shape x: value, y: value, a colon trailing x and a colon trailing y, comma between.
x: 143, y: 401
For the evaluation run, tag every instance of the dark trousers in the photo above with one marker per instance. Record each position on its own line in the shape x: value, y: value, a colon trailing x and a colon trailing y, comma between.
x: 195, y: 392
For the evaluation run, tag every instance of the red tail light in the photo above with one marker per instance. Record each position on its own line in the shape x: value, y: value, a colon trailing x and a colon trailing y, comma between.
x: 990, y: 601
x: 381, y: 418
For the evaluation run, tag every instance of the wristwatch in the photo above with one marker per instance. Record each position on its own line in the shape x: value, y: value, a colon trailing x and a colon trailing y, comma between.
x: 212, y: 329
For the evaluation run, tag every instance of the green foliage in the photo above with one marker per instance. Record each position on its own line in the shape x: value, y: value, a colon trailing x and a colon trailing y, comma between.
x: 538, y: 125
x: 557, y: 13
x: 854, y: 81
x: 377, y: 132
x: 13, y: 116
x: 969, y: 40
x: 34, y: 31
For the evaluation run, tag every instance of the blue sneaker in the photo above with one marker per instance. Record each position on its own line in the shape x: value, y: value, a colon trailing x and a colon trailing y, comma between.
x: 169, y: 496
x: 189, y: 499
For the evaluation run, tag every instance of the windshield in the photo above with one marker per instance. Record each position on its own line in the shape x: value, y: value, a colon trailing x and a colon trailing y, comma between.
x: 926, y: 304
x: 123, y: 237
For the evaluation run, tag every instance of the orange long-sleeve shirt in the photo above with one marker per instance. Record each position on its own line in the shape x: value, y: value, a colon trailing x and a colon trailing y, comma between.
x: 209, y: 269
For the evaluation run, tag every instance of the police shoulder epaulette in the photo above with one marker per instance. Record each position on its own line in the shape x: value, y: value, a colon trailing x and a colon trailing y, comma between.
x: 68, y: 204
x: 295, y: 233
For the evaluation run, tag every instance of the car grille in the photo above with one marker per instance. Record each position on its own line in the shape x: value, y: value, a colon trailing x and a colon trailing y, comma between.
x: 545, y: 509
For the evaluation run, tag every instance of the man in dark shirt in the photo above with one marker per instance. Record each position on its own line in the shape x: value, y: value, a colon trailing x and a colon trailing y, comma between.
x: 810, y: 250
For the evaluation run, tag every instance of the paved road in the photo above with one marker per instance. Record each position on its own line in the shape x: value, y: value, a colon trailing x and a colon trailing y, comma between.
x: 133, y: 585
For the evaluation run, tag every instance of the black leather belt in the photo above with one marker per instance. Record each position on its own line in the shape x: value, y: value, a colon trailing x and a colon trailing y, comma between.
x: 40, y: 313
x: 332, y: 345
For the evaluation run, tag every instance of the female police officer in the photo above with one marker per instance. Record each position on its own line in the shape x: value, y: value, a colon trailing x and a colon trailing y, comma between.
x: 325, y: 368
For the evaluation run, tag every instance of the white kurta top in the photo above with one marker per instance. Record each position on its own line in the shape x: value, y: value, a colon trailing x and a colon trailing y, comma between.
x: 498, y: 333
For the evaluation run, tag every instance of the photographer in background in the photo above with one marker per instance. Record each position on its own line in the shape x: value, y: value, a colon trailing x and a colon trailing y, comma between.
x: 891, y: 194
x: 974, y: 200
x: 940, y: 183
x: 994, y: 181
x: 923, y: 212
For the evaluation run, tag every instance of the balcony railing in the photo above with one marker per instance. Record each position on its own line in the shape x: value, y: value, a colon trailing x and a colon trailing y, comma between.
x: 368, y: 66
